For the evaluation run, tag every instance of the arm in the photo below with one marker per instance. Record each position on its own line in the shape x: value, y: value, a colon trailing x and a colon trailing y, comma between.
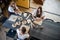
x: 17, y: 31
x: 17, y: 10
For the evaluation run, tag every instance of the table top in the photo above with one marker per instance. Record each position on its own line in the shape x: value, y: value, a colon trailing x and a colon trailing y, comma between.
x: 14, y: 18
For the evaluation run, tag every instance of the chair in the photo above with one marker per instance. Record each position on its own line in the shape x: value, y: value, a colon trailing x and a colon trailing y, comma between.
x: 1, y: 14
x: 33, y: 38
x: 11, y: 33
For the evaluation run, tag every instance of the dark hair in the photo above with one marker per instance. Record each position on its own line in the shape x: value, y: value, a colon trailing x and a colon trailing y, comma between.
x: 23, y: 30
x: 40, y: 11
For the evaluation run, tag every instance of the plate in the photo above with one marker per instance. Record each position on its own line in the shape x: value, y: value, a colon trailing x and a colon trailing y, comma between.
x: 24, y: 22
x: 13, y: 18
x: 13, y: 25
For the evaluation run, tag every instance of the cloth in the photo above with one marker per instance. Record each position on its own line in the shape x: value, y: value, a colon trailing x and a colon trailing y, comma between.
x: 11, y: 9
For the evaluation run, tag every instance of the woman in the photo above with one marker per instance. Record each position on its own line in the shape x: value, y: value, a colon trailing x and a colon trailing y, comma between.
x: 37, y: 15
x: 22, y: 35
x: 13, y: 9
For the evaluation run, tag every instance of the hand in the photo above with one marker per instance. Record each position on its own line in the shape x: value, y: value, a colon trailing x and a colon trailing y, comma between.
x: 38, y: 19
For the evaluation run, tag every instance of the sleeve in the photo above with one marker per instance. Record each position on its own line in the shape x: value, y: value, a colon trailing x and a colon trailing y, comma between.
x: 17, y: 32
x: 34, y: 12
x: 10, y: 9
x: 19, y: 36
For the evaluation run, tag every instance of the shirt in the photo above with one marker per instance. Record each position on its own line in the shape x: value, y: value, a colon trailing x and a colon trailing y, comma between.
x: 22, y: 37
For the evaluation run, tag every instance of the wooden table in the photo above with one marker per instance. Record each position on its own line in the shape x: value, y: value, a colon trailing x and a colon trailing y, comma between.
x: 8, y: 23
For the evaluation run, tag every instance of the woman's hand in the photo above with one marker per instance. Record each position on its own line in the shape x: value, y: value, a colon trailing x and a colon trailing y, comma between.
x: 17, y: 12
x: 38, y: 19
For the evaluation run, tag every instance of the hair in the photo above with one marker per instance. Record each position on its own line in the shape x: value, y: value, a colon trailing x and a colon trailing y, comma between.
x: 23, y: 30
x: 40, y: 11
x: 13, y: 3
